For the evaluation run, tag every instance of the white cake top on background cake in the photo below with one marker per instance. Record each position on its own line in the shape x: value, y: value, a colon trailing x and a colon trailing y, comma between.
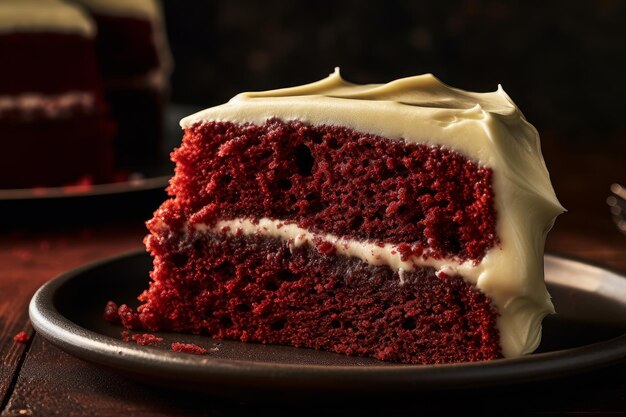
x: 43, y: 16
x: 148, y: 9
x: 487, y: 128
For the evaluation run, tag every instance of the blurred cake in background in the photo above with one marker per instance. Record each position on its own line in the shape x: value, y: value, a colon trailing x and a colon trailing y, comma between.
x: 135, y: 62
x: 53, y: 119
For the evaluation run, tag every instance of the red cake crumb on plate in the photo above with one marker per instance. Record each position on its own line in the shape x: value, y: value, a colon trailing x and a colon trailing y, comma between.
x: 128, y: 317
x: 188, y: 348
x: 146, y: 339
x: 110, y: 312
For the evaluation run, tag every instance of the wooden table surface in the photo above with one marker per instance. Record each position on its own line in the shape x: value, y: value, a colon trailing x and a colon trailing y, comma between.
x: 37, y: 379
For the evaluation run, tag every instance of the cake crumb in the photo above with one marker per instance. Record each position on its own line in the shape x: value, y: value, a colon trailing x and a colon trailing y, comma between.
x: 83, y: 185
x: 39, y: 191
x: 146, y: 339
x: 21, y: 337
x: 188, y: 348
x: 324, y: 247
x: 128, y: 317
x: 110, y: 312
x: 126, y: 335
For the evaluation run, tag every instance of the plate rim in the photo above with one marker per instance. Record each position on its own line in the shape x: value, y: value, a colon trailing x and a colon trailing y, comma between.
x: 151, y: 362
x: 48, y: 193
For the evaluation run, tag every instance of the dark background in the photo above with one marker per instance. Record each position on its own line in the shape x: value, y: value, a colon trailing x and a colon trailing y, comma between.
x: 562, y: 62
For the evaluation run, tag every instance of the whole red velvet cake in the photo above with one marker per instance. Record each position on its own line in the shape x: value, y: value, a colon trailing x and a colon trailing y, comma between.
x: 53, y: 120
x: 389, y: 221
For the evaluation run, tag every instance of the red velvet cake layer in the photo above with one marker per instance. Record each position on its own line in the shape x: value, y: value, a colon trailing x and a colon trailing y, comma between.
x: 56, y: 152
x: 330, y: 179
x: 256, y: 289
x: 47, y: 63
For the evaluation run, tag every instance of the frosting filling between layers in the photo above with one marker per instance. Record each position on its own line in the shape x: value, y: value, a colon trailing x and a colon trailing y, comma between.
x: 48, y: 106
x: 487, y: 128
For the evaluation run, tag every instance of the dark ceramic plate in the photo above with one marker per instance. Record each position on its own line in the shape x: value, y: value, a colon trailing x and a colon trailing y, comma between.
x: 139, y: 196
x: 589, y: 332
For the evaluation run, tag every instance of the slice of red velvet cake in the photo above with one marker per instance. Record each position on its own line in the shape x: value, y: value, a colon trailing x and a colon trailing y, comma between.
x: 53, y: 122
x: 402, y: 221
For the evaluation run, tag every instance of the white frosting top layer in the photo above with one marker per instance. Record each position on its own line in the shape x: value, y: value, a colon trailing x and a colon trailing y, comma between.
x: 487, y: 128
x: 43, y: 16
x: 148, y: 9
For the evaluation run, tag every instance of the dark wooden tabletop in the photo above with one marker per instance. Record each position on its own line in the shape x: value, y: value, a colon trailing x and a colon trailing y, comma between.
x: 37, y: 379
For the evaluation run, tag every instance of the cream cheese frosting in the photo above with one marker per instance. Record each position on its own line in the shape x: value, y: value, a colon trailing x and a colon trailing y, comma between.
x: 487, y: 128
x: 43, y: 16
